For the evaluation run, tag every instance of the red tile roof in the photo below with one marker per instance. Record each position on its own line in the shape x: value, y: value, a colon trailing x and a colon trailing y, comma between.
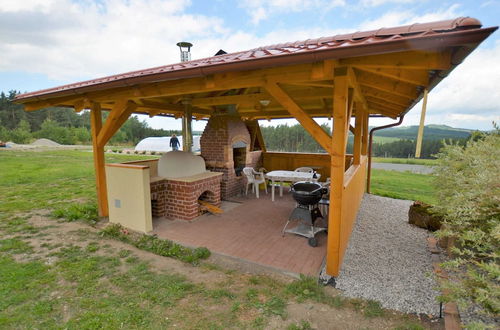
x: 385, y: 40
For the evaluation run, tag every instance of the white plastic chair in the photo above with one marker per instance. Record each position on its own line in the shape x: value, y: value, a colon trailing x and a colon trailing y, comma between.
x: 304, y: 169
x: 254, y: 178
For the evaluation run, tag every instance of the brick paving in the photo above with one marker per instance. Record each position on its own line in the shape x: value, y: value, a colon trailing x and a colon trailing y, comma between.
x: 250, y: 230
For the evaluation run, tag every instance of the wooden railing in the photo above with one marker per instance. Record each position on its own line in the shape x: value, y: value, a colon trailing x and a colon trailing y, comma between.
x: 291, y: 160
x: 354, y: 188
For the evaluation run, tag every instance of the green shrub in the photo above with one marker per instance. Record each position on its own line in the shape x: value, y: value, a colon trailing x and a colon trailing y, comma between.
x: 468, y: 179
x: 156, y: 245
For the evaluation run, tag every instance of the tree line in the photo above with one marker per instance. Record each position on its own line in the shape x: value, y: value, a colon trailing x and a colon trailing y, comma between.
x: 63, y: 125
x: 296, y: 139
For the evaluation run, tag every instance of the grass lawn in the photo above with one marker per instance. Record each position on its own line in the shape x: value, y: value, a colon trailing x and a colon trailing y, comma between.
x: 57, y: 274
x: 403, y: 185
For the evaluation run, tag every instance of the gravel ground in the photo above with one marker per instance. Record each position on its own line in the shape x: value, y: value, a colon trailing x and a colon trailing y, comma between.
x: 414, y: 168
x: 387, y: 259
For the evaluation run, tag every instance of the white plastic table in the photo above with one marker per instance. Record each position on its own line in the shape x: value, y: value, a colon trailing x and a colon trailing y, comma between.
x: 288, y: 176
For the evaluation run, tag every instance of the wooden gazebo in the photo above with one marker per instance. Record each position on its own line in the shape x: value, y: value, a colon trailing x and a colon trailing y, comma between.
x: 380, y: 73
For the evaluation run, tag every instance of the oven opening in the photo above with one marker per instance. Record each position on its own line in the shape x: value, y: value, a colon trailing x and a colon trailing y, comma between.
x: 206, y: 199
x: 239, y: 157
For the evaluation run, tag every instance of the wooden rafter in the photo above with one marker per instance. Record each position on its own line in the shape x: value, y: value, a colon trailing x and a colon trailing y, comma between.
x: 385, y: 104
x: 414, y: 77
x: 387, y: 85
x: 395, y: 99
x: 377, y: 109
x: 254, y: 98
x: 353, y: 81
x: 322, y: 137
x: 413, y: 60
x: 325, y: 84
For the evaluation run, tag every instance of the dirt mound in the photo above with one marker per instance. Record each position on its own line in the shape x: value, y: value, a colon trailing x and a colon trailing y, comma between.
x: 45, y: 143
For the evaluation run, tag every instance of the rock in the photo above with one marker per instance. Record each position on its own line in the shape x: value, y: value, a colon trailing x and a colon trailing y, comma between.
x: 420, y: 215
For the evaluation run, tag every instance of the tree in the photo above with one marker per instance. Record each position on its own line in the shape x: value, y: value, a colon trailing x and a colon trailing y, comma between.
x: 22, y: 133
x: 51, y: 130
x: 468, y: 181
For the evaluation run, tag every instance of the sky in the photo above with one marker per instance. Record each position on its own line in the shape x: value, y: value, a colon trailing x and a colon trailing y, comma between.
x: 47, y: 43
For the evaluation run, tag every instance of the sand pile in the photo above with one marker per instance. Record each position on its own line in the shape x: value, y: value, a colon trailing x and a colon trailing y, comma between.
x: 45, y: 143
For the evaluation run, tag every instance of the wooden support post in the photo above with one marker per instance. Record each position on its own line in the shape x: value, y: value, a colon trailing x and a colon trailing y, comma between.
x: 340, y: 112
x: 187, y: 132
x: 313, y: 128
x: 364, y: 139
x: 420, y: 135
x: 358, y: 131
x: 350, y: 108
x: 99, y: 162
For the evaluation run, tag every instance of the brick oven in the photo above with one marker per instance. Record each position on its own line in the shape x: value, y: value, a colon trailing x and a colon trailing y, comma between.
x: 225, y: 146
x: 181, y: 182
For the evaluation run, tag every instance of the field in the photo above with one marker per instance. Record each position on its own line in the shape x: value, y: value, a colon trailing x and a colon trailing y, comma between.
x: 412, y: 161
x: 58, y: 273
x: 384, y: 139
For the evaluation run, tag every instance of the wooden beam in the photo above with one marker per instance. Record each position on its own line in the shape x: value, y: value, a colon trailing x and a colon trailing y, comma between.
x: 253, y: 99
x: 385, y: 104
x: 376, y: 109
x: 353, y: 81
x: 255, y: 134
x: 340, y: 110
x: 414, y: 60
x: 160, y: 105
x: 414, y: 77
x: 387, y: 85
x: 358, y: 131
x: 229, y: 80
x: 350, y: 109
x: 381, y: 100
x: 386, y: 96
x: 325, y: 84
x: 364, y: 139
x: 99, y: 161
x: 322, y: 137
x: 282, y: 114
x: 322, y: 70
x: 117, y: 117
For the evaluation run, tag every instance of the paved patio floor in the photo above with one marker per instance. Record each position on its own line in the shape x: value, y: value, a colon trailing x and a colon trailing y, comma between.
x: 250, y: 229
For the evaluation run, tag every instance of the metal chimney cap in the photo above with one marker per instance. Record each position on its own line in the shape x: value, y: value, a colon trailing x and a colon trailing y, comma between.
x: 185, y: 44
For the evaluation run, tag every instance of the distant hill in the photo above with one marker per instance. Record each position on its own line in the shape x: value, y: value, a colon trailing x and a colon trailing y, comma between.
x: 431, y: 132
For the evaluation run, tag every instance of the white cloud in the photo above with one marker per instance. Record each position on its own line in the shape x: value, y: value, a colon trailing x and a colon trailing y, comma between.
x: 260, y: 10
x: 66, y: 40
x: 405, y: 17
x: 376, y: 3
x: 471, y: 91
x: 25, y: 5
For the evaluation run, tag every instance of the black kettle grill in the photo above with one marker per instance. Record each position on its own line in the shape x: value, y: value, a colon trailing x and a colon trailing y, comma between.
x: 307, y: 195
